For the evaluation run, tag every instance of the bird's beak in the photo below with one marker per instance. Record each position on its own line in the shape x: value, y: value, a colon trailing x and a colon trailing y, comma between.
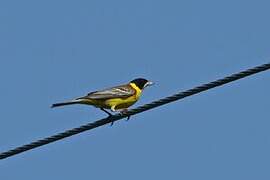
x: 149, y: 83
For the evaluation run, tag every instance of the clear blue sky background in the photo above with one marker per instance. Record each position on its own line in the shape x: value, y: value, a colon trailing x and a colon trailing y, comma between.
x: 56, y: 50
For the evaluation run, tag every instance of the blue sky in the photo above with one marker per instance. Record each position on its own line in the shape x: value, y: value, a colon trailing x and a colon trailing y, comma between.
x: 56, y: 50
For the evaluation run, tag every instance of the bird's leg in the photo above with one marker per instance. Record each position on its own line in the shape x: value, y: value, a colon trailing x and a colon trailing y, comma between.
x: 113, y: 110
x: 109, y: 114
x: 123, y: 111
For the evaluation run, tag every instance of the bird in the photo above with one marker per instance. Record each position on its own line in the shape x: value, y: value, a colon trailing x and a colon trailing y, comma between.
x: 117, y: 98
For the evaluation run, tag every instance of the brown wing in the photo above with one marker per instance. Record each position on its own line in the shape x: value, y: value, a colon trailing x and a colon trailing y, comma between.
x: 123, y: 91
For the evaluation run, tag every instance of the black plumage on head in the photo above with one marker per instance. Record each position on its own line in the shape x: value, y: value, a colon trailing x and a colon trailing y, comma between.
x: 140, y: 82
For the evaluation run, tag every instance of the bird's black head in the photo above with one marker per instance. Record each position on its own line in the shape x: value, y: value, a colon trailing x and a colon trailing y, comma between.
x: 141, y: 82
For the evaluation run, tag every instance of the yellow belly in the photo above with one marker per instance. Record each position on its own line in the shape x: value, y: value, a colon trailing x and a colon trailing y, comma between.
x: 121, y: 103
x: 117, y: 103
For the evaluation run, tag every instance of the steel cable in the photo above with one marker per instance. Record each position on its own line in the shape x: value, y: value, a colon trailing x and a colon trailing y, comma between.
x: 134, y: 111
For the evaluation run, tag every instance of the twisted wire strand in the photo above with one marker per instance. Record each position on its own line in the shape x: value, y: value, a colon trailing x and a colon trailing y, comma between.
x: 134, y: 111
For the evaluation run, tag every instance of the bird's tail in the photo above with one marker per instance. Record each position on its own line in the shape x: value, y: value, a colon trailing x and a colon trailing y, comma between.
x: 77, y: 101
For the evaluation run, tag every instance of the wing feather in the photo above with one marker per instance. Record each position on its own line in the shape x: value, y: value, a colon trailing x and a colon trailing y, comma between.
x: 122, y: 91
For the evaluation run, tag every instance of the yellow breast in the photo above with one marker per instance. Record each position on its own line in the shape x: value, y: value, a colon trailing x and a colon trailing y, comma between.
x: 120, y: 103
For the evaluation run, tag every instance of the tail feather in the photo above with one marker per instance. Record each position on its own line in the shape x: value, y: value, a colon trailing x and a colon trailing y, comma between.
x: 65, y: 103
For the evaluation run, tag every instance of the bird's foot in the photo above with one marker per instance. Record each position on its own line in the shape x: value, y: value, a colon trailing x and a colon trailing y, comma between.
x: 124, y: 111
x: 109, y: 114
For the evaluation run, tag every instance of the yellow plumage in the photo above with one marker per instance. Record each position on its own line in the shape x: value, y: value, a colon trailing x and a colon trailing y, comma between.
x: 121, y: 103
